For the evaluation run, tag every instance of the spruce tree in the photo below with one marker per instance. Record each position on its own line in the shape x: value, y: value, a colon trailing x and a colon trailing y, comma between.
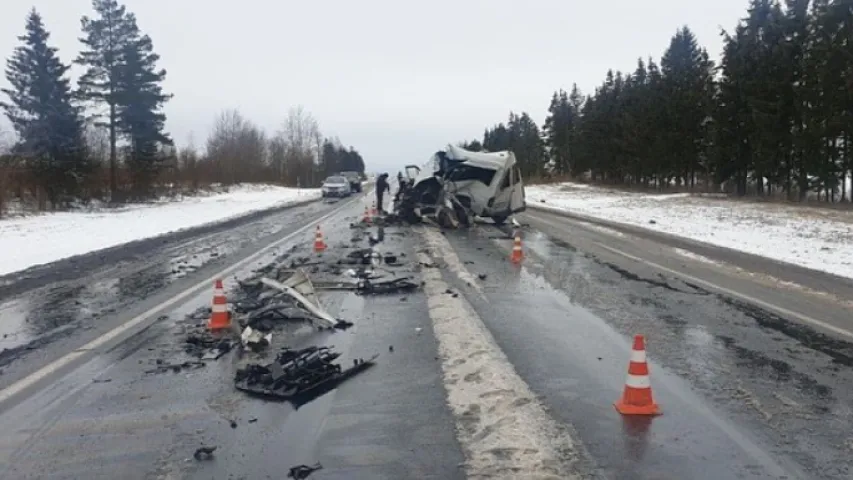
x: 140, y: 98
x: 121, y: 73
x: 105, y: 38
x: 40, y: 108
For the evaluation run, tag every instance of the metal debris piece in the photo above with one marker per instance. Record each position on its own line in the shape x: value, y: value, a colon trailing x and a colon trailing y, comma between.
x: 255, y: 339
x: 301, y: 472
x: 293, y: 289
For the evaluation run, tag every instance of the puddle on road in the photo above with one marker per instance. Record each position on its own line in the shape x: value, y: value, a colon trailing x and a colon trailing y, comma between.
x: 37, y: 318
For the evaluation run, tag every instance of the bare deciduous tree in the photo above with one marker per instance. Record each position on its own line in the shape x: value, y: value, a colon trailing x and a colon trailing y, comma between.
x: 237, y: 149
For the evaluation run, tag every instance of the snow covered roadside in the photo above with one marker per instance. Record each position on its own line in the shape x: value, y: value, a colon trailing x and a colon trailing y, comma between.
x: 40, y: 239
x: 820, y: 239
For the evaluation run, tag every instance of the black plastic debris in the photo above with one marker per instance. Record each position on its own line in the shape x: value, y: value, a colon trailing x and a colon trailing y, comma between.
x: 298, y: 376
x: 343, y: 324
x: 175, y: 367
x: 397, y: 285
x: 301, y: 472
x: 205, y: 345
x: 482, y: 276
x: 204, y: 453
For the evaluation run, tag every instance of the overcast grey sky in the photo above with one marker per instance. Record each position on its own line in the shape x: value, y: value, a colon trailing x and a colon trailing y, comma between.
x: 395, y: 79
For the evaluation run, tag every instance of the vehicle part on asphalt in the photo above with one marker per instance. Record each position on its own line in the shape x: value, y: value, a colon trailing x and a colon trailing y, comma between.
x: 203, y: 345
x: 397, y: 285
x: 298, y: 376
x: 176, y: 367
x: 255, y: 340
x: 301, y: 472
x: 292, y: 287
x: 204, y: 453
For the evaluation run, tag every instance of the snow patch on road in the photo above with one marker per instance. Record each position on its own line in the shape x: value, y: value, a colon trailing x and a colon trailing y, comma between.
x: 41, y: 239
x: 695, y: 256
x: 601, y: 229
x: 816, y: 238
x: 504, y: 430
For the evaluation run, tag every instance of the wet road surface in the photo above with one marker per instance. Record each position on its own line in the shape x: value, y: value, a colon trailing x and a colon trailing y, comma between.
x: 93, y: 293
x: 109, y: 419
x: 766, y: 393
x: 746, y: 392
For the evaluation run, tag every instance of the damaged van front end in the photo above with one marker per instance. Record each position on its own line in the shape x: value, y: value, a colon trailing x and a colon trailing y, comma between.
x: 457, y: 185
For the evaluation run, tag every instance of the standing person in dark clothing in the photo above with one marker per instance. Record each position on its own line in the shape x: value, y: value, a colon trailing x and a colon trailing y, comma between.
x: 382, y: 186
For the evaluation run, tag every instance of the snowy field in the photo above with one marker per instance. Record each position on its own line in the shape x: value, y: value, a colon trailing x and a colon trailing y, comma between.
x: 40, y: 239
x: 816, y: 238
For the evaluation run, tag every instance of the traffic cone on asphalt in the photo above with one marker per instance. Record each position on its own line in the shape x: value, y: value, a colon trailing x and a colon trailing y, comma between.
x: 319, y: 244
x: 517, y: 254
x: 366, y: 218
x: 373, y: 211
x: 219, y: 317
x: 637, y: 396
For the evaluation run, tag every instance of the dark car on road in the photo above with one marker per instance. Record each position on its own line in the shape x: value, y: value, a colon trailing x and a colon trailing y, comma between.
x: 336, y: 186
x: 354, y: 180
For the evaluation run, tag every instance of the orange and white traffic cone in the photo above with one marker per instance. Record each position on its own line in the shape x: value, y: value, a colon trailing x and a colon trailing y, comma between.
x: 637, y: 396
x: 319, y: 244
x: 366, y: 218
x: 517, y: 254
x: 219, y: 317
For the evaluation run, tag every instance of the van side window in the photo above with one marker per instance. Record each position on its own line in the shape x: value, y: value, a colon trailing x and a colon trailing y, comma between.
x: 505, y: 182
x: 516, y: 175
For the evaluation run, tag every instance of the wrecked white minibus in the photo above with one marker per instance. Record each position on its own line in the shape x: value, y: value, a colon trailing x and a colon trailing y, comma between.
x: 457, y: 185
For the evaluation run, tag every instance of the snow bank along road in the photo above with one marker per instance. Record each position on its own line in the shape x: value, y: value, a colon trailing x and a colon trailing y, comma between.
x: 816, y: 238
x: 39, y: 239
x: 496, y: 371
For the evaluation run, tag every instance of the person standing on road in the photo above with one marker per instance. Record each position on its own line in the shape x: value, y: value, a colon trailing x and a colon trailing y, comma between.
x: 382, y: 186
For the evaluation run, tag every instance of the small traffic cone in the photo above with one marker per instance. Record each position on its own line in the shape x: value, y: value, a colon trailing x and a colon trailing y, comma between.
x: 219, y: 317
x: 517, y: 254
x: 366, y: 218
x: 373, y: 211
x: 637, y: 396
x: 319, y: 244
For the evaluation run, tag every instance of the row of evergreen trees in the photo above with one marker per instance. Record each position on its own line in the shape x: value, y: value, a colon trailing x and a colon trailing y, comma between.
x: 114, y: 116
x: 121, y: 84
x: 774, y: 117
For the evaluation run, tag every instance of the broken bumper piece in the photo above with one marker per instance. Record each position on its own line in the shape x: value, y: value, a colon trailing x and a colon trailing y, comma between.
x: 298, y: 376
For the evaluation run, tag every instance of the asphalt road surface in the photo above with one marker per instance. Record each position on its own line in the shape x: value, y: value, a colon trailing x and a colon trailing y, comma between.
x: 496, y: 370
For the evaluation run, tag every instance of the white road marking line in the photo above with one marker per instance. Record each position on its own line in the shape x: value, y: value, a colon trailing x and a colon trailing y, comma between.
x: 52, y: 367
x: 504, y: 430
x: 732, y: 293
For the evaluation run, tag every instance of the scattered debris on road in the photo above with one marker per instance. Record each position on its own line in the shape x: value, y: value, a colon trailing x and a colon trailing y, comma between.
x: 175, y: 367
x: 298, y: 376
x: 301, y: 472
x: 204, y: 453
